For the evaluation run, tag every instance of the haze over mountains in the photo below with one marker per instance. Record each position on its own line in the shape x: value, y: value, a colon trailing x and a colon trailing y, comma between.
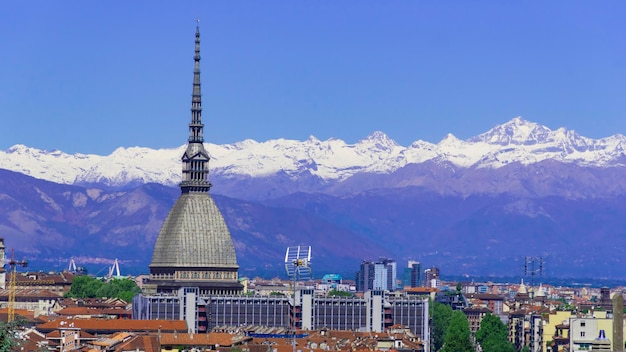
x: 471, y: 207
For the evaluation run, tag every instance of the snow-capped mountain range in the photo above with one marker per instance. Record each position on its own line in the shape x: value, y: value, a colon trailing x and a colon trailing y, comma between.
x: 518, y: 140
x: 469, y: 206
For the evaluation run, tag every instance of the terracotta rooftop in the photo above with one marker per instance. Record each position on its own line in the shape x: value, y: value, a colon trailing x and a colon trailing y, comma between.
x: 106, y: 342
x: 29, y: 293
x: 93, y: 302
x: 71, y: 311
x: 28, y: 314
x: 210, y: 339
x: 41, y: 278
x: 112, y: 325
x: 56, y: 334
x: 416, y: 290
x: 486, y: 296
x: 33, y: 341
x: 146, y: 343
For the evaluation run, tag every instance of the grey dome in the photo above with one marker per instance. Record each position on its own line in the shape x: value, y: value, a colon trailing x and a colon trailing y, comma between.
x: 194, y: 234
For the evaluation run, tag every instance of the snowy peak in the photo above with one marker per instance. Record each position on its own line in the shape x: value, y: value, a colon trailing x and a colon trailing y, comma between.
x: 517, y: 131
x: 517, y: 140
x: 450, y: 139
x: 379, y: 141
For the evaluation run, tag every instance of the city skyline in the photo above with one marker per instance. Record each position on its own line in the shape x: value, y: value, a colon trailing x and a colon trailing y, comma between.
x: 282, y: 70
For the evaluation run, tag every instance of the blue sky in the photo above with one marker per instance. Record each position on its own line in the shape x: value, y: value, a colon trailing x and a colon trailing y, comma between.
x: 89, y: 77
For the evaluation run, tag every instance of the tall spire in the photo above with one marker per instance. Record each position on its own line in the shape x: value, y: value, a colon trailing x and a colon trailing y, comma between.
x: 195, y: 127
x: 196, y: 159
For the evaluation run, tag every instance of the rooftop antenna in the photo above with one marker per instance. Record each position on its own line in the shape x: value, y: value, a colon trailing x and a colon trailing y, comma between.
x: 298, y: 266
x: 298, y: 262
x: 533, y: 266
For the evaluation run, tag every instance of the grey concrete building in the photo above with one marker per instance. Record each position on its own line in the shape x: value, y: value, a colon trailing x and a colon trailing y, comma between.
x: 375, y: 312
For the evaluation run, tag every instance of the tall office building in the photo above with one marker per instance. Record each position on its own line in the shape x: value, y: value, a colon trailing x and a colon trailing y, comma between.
x: 386, y: 274
x: 381, y: 275
x: 431, y: 277
x: 415, y: 269
x: 365, y: 276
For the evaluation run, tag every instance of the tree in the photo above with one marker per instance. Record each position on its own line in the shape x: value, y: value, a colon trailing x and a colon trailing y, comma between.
x: 8, y: 340
x: 89, y: 287
x: 493, y: 335
x: 457, y: 337
x: 84, y: 287
x: 338, y: 293
x: 441, y: 321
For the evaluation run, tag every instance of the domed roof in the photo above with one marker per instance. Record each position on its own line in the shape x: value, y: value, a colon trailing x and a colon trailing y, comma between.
x: 194, y: 234
x: 522, y: 288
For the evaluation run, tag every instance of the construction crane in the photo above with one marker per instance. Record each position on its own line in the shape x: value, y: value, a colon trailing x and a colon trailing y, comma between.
x: 13, y: 264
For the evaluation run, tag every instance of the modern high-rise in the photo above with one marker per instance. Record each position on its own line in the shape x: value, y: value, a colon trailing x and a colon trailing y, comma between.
x: 381, y: 275
x: 415, y: 269
x: 365, y: 276
x: 431, y: 277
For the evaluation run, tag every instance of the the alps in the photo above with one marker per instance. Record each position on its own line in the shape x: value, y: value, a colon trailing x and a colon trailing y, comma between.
x: 469, y: 206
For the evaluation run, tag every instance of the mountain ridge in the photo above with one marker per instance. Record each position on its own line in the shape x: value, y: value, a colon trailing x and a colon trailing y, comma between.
x: 332, y: 160
x: 470, y: 207
x: 475, y: 235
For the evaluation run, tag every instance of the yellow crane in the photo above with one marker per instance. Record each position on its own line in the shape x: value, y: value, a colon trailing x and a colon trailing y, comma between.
x: 13, y: 264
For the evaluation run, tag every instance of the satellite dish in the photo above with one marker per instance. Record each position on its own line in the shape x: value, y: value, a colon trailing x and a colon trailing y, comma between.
x: 298, y: 262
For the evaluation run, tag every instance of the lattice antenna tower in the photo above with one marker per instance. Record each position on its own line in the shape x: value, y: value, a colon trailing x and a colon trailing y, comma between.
x: 297, y: 266
x: 533, y: 266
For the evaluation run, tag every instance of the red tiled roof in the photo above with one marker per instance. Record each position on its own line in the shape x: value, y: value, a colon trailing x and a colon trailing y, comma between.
x: 30, y: 293
x: 23, y: 312
x: 93, y: 311
x: 42, y: 278
x: 101, y: 325
x: 210, y: 339
x: 146, y: 343
x: 420, y: 289
x: 486, y: 296
x: 93, y: 302
x: 56, y: 334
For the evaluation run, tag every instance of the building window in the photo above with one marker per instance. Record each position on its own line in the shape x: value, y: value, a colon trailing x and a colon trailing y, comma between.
x: 582, y: 334
x: 582, y: 324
